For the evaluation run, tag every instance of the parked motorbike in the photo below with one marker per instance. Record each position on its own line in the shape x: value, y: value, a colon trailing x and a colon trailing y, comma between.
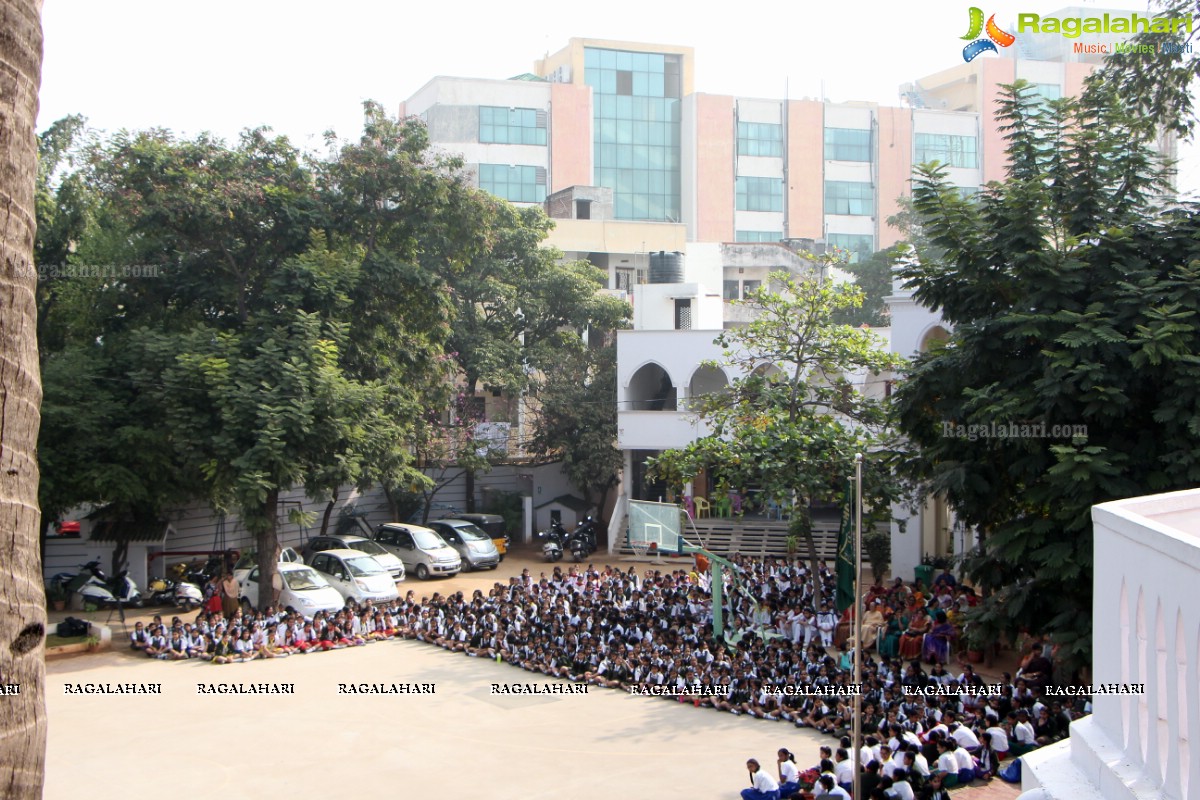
x: 582, y: 541
x: 88, y: 583
x: 124, y: 588
x: 553, y: 537
x: 165, y: 591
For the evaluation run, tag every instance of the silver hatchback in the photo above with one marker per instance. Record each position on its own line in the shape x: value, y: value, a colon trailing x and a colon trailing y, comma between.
x: 423, y: 552
x: 477, y: 549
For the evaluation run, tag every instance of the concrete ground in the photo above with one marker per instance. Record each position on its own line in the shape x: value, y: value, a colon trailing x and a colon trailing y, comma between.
x: 462, y: 741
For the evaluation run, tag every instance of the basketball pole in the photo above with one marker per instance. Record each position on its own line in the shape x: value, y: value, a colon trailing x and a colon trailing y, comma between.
x: 856, y: 744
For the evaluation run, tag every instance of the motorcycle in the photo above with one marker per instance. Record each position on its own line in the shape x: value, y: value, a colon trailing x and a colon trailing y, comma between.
x: 88, y: 584
x: 123, y: 588
x: 183, y: 594
x: 582, y: 541
x: 554, y: 537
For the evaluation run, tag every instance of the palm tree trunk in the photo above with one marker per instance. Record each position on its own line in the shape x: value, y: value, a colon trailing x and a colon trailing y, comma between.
x: 22, y: 595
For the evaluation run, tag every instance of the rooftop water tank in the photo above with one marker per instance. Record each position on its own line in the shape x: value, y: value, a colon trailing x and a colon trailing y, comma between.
x: 666, y: 267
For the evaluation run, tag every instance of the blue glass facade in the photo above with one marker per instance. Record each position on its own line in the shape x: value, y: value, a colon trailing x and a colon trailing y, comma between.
x: 635, y: 122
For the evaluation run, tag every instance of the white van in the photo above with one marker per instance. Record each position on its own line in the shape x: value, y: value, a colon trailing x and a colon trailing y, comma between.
x: 421, y: 550
x: 355, y: 574
x: 304, y: 590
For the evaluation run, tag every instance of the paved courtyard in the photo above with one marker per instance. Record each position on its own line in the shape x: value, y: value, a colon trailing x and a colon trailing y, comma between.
x: 462, y: 741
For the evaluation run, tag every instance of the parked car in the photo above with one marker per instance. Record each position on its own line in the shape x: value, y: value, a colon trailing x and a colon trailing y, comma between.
x: 304, y: 590
x: 355, y: 574
x: 491, y: 524
x: 473, y: 545
x: 249, y: 561
x: 423, y: 552
x: 353, y: 542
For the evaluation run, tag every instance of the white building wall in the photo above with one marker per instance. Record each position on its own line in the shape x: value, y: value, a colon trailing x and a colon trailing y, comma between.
x: 848, y: 116
x: 754, y: 110
x: 1146, y: 631
x: 449, y: 91
x: 760, y: 167
x: 758, y: 221
x: 654, y: 306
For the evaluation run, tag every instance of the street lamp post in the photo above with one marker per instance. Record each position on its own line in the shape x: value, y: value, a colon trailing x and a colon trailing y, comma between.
x: 858, y: 648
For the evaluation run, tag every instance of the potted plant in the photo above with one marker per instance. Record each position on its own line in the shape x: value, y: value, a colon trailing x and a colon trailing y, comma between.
x: 56, y: 597
x: 92, y: 642
x: 975, y: 645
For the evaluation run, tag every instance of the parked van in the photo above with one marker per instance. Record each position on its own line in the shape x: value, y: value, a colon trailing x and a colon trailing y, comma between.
x: 355, y: 574
x: 491, y: 524
x: 423, y: 552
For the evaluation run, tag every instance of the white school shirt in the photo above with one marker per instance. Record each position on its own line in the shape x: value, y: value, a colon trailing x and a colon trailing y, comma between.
x: 999, y: 739
x: 789, y: 772
x: 764, y: 782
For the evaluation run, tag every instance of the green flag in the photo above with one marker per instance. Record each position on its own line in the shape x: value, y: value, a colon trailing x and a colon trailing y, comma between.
x: 845, y: 552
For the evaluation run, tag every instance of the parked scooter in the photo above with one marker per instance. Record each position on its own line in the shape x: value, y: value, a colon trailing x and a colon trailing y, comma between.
x: 582, y: 541
x: 123, y: 588
x: 183, y: 594
x: 554, y: 537
x: 88, y: 584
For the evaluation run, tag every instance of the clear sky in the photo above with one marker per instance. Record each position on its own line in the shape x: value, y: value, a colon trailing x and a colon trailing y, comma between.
x: 304, y: 67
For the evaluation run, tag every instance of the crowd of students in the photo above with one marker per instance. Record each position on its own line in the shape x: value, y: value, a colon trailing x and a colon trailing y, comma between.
x: 919, y: 752
x: 618, y: 629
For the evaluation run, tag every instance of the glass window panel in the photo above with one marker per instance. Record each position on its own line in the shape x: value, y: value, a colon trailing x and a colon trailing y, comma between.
x: 608, y: 82
x: 641, y: 61
x: 641, y: 84
x: 591, y: 57
x: 951, y: 150
x: 759, y: 194
x: 624, y: 60
x: 849, y: 197
x: 757, y: 236
x: 847, y: 144
x: 510, y: 126
x: 608, y: 59
x: 857, y: 245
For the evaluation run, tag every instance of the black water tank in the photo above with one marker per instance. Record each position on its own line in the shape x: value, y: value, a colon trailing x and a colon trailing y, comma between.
x: 666, y: 267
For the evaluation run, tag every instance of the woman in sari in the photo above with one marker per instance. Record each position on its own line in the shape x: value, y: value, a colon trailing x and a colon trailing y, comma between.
x: 937, y: 643
x: 913, y: 638
x: 872, y: 623
x: 889, y: 642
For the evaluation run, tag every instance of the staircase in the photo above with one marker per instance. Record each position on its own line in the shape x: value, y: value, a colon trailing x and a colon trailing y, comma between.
x: 755, y: 537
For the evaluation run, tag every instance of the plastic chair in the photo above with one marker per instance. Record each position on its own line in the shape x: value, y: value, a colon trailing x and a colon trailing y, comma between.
x: 703, y: 508
x: 721, y: 506
x: 774, y: 510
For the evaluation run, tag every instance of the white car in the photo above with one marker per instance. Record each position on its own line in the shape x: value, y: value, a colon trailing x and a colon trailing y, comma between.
x: 249, y: 560
x: 355, y: 574
x: 344, y: 541
x: 304, y: 590
x: 421, y: 549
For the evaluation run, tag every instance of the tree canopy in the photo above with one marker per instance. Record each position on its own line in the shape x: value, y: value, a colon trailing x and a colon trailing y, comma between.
x: 268, y: 320
x: 1074, y: 292
x: 794, y: 416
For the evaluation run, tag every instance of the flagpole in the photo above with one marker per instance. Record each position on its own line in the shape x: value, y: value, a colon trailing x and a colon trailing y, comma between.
x: 856, y: 744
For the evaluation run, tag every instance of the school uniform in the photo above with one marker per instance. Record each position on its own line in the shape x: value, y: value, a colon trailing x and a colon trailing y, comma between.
x: 764, y: 787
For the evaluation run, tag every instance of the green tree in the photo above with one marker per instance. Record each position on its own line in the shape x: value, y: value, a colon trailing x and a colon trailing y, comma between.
x: 519, y: 305
x: 1159, y: 92
x: 1073, y: 295
x: 576, y: 420
x: 873, y: 275
x: 792, y: 420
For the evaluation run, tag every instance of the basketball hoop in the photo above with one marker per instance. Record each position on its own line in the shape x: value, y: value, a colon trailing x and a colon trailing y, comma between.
x: 640, y: 548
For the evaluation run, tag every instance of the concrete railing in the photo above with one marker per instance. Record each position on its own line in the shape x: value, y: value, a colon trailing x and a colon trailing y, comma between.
x: 1146, y: 623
